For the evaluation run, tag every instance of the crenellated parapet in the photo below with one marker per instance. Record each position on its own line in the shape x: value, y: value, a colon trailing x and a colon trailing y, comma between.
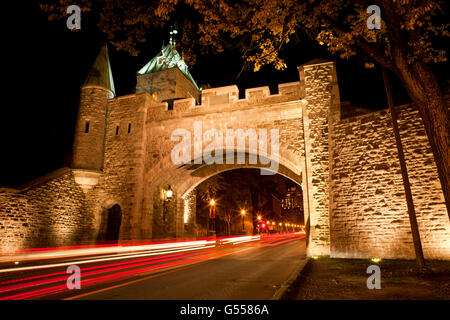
x: 222, y: 99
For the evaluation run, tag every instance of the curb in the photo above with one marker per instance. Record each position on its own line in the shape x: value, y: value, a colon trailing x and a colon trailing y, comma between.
x: 293, y: 276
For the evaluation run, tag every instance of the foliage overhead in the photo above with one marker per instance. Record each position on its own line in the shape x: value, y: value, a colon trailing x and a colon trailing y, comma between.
x: 259, y: 29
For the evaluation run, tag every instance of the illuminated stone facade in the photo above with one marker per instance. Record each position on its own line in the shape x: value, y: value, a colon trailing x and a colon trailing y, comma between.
x: 353, y: 198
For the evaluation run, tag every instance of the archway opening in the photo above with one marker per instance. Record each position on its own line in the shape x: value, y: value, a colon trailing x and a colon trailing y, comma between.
x: 243, y: 202
x: 112, y: 220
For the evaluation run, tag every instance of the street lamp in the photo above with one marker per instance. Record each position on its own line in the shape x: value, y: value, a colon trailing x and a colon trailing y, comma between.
x: 212, y: 213
x: 243, y: 217
x: 167, y: 196
x: 169, y: 193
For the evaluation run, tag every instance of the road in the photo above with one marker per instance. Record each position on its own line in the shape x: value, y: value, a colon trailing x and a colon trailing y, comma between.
x: 231, y: 270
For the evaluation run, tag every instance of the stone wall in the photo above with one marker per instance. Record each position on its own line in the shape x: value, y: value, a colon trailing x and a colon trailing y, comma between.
x: 51, y: 211
x: 369, y: 213
x: 122, y: 178
x: 90, y: 129
x: 320, y: 85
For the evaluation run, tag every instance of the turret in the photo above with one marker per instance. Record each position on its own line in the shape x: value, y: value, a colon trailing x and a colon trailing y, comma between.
x: 88, y: 147
x: 166, y: 77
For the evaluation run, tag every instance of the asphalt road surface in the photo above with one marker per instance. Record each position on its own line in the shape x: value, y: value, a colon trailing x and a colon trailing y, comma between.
x: 230, y: 270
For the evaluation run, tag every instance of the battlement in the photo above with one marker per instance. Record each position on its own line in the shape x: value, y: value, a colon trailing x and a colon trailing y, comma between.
x: 227, y: 98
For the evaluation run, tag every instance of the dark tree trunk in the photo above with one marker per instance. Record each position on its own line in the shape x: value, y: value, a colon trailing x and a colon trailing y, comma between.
x: 425, y: 92
x: 409, y: 198
x: 423, y: 89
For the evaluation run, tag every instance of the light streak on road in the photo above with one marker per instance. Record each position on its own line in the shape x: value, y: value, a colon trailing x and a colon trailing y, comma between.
x: 69, y: 252
x: 137, y: 262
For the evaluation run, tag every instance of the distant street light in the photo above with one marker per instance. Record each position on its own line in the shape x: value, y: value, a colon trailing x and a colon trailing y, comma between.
x: 212, y: 215
x: 167, y: 196
x: 243, y: 217
x: 169, y: 193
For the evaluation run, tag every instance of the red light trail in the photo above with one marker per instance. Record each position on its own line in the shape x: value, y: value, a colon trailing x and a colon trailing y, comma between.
x: 169, y: 255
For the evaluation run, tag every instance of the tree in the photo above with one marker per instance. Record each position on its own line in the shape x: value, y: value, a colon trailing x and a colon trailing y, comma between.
x: 403, y: 45
x: 406, y: 43
x: 227, y: 213
x: 207, y: 191
x: 210, y: 187
x: 408, y: 194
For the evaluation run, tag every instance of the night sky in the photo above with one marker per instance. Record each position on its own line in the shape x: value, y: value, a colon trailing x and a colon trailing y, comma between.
x: 44, y: 65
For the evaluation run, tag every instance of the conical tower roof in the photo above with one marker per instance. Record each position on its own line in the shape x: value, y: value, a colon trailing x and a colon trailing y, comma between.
x: 167, y: 58
x: 100, y: 73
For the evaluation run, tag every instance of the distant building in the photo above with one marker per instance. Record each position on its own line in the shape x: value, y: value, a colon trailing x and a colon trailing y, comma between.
x: 292, y: 205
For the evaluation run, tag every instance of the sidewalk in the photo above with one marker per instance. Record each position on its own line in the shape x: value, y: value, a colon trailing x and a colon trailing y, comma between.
x: 345, y: 279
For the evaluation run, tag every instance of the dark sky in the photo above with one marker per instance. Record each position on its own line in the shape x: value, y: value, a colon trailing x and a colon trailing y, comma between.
x: 44, y: 65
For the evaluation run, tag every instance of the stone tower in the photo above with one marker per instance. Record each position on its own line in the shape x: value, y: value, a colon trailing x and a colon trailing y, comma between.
x: 166, y: 77
x: 88, y: 148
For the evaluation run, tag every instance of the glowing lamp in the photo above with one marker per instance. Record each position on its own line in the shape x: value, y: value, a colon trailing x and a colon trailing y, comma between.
x: 212, y: 202
x: 169, y: 193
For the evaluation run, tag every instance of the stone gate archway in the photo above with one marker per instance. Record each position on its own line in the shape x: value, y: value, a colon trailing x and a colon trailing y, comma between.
x: 183, y: 179
x: 141, y: 132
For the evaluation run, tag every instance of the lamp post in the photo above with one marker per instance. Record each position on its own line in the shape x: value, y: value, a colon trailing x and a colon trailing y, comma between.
x: 212, y: 214
x: 259, y: 223
x: 167, y: 196
x: 243, y: 217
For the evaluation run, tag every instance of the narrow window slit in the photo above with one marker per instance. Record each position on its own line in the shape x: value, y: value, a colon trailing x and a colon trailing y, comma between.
x: 129, y: 127
x: 86, y: 128
x: 117, y: 130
